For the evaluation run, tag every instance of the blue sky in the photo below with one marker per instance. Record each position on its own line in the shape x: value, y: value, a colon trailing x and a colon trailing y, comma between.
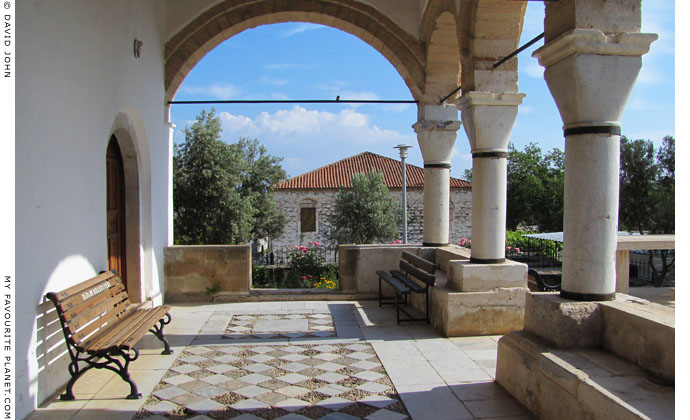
x: 306, y: 61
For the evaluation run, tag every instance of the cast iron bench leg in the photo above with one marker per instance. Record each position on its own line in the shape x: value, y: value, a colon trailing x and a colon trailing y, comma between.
x: 158, y: 332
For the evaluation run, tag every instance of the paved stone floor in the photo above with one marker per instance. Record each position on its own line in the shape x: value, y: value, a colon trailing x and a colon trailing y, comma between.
x: 284, y: 365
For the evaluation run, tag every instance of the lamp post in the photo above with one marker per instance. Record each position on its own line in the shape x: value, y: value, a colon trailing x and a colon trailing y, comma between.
x: 403, y: 154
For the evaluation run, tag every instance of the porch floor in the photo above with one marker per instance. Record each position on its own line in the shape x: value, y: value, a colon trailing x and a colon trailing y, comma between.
x: 281, y: 360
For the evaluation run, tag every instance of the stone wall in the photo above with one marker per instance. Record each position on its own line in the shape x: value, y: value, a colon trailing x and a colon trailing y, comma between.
x: 191, y: 269
x: 291, y: 201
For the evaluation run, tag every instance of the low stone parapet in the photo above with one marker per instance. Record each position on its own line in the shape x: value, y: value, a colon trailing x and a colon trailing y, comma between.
x: 197, y: 272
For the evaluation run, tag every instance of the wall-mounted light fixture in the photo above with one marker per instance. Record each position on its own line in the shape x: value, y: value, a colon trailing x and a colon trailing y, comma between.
x: 137, y: 47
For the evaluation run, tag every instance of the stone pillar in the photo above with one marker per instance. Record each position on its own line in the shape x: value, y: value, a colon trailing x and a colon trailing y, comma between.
x: 436, y: 132
x: 590, y: 73
x: 488, y: 119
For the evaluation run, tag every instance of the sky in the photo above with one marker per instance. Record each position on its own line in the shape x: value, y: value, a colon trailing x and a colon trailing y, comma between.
x: 308, y: 61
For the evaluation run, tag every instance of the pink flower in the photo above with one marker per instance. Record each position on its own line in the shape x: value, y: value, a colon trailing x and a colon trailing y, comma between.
x: 304, y: 278
x: 309, y: 276
x: 462, y: 241
x: 311, y: 242
x: 469, y: 241
x: 517, y: 249
x: 510, y: 247
x: 317, y: 243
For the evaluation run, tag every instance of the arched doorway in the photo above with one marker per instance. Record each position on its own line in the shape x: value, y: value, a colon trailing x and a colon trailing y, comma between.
x: 115, y: 206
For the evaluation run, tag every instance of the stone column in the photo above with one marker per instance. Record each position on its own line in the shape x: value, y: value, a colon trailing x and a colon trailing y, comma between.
x: 590, y: 74
x: 488, y: 119
x: 436, y: 139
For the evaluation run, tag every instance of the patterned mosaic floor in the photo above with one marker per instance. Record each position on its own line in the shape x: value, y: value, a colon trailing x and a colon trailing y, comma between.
x: 280, y: 326
x: 287, y: 382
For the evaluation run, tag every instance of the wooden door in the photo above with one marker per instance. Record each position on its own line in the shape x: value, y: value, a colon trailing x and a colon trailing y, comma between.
x: 115, y: 175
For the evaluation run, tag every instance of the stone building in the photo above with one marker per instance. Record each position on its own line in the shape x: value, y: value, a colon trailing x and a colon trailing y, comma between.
x: 308, y: 199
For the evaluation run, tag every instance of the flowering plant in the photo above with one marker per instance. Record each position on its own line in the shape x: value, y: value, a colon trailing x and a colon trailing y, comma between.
x: 306, y: 265
x: 465, y: 243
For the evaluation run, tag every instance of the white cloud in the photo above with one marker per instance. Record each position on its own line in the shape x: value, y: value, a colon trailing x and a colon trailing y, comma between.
x: 301, y: 126
x: 638, y: 104
x: 525, y: 109
x: 650, y: 74
x: 218, y: 90
x: 280, y: 66
x: 532, y: 68
x: 293, y: 165
x: 396, y: 107
x: 337, y: 88
x: 302, y: 27
x: 273, y: 82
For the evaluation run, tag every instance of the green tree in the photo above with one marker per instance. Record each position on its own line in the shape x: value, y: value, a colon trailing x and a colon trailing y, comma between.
x: 365, y: 214
x: 647, y: 193
x: 535, y: 188
x: 221, y: 192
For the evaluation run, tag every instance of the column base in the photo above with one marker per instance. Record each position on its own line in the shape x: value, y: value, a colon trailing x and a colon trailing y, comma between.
x: 469, y: 276
x: 576, y: 384
x: 463, y: 314
x: 591, y: 359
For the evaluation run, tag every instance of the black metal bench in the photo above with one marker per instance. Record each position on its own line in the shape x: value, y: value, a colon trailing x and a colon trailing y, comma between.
x: 535, y: 277
x: 101, y: 325
x: 413, y: 269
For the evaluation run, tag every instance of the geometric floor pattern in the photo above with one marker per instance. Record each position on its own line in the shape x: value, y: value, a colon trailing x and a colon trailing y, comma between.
x: 293, y: 325
x: 286, y: 382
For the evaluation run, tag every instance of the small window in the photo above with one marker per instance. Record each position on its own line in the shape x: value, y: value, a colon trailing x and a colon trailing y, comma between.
x: 308, y: 219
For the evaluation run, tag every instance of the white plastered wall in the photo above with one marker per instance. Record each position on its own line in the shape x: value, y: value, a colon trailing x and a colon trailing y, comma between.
x: 78, y: 82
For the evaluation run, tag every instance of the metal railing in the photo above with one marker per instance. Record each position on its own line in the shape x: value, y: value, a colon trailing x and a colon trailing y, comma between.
x: 641, y: 271
x: 281, y: 257
x: 538, y: 254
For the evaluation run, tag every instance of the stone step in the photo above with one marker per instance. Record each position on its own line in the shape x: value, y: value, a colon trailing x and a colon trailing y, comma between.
x: 578, y: 383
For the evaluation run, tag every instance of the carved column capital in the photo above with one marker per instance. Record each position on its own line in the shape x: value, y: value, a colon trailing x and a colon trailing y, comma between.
x: 592, y: 41
x: 489, y: 118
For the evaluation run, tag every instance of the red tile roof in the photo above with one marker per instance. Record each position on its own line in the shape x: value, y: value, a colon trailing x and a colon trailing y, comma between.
x: 340, y: 173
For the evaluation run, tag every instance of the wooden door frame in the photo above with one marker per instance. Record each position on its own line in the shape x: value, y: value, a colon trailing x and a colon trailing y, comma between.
x: 122, y: 131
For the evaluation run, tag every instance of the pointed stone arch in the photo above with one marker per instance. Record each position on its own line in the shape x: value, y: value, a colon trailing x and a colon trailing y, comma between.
x: 230, y: 17
x: 128, y: 129
x: 490, y: 31
x: 442, y: 58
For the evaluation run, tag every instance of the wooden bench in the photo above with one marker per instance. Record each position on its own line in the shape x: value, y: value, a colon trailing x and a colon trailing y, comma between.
x: 101, y: 325
x: 405, y: 281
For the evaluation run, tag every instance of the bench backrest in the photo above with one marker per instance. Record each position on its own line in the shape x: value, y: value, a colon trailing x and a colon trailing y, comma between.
x: 418, y: 268
x: 89, y: 306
